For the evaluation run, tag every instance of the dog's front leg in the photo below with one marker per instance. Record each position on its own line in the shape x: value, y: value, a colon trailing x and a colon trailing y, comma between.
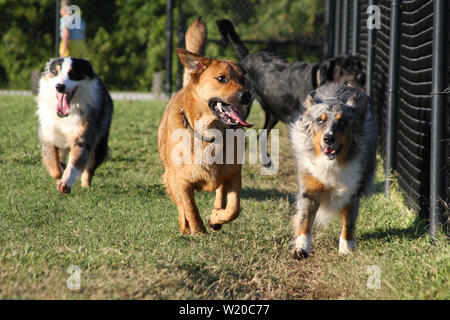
x: 79, y: 153
x: 188, y: 209
x: 51, y: 159
x: 232, y: 210
x: 349, y: 214
x: 303, y: 223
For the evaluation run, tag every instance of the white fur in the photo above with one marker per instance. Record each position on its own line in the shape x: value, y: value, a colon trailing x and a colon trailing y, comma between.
x: 303, y: 242
x: 70, y: 175
x: 345, y: 246
x: 52, y: 128
x: 340, y: 180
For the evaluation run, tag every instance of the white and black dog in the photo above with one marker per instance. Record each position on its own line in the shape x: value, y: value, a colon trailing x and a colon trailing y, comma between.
x: 74, y: 110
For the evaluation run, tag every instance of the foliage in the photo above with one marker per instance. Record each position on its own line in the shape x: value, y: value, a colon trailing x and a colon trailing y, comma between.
x: 126, y: 39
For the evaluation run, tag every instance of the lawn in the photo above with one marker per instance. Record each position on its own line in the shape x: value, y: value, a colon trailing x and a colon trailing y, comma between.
x: 123, y: 233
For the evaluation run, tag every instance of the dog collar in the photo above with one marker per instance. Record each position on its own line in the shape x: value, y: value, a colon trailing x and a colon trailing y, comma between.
x: 195, y: 133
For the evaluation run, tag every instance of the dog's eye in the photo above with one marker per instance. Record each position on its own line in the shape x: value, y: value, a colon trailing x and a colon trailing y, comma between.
x: 319, y: 120
x: 342, y: 122
x: 222, y: 79
x: 54, y: 72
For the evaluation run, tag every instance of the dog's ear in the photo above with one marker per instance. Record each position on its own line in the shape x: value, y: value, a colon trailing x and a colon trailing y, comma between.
x: 360, y: 102
x: 195, y: 63
x: 326, y: 71
x: 310, y: 99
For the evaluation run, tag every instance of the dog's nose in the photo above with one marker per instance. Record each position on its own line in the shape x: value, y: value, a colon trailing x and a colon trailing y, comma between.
x: 329, y: 138
x: 244, y: 96
x: 60, y: 87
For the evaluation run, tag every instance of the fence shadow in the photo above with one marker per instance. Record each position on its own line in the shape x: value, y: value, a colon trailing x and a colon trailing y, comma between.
x: 264, y: 194
x: 416, y: 230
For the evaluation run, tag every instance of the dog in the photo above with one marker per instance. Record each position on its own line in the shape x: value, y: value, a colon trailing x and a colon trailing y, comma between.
x: 74, y: 114
x: 281, y: 87
x: 213, y: 95
x: 334, y: 144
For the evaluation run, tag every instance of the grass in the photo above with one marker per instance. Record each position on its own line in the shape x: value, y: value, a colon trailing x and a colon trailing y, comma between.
x: 123, y: 232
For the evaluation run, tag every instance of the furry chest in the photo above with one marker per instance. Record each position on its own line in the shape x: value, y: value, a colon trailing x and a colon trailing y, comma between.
x: 61, y: 131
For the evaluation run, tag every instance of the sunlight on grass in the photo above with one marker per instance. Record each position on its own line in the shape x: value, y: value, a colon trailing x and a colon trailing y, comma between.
x: 123, y: 232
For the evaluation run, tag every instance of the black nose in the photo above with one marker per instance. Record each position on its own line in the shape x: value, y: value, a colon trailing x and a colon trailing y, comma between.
x: 329, y: 138
x: 244, y: 96
x: 60, y: 87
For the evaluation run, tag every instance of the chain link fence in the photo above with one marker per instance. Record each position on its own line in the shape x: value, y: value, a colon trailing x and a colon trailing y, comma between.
x: 126, y: 40
x: 405, y: 109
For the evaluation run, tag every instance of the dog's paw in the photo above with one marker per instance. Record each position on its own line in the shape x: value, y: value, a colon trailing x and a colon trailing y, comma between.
x: 302, y: 247
x: 299, y: 254
x: 63, y: 187
x: 345, y: 246
x: 214, y: 226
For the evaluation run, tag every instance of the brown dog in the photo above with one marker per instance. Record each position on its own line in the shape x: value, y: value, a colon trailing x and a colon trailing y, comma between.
x: 213, y: 96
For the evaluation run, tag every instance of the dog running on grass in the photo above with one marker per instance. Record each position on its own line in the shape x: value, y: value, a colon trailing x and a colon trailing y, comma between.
x: 281, y: 87
x: 334, y: 143
x: 213, y: 95
x: 74, y: 111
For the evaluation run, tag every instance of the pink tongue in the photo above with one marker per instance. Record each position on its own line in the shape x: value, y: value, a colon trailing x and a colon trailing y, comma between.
x: 62, y: 106
x: 329, y: 150
x: 237, y: 116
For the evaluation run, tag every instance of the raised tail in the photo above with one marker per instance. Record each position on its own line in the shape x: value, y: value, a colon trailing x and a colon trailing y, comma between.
x: 228, y: 33
x: 195, y: 39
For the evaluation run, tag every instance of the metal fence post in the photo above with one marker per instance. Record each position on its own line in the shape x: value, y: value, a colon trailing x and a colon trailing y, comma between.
x: 356, y: 17
x: 180, y: 43
x: 392, y: 103
x: 57, y: 29
x: 439, y: 117
x: 330, y: 18
x: 169, y: 37
x: 337, y: 28
x: 344, y: 23
x: 370, y: 55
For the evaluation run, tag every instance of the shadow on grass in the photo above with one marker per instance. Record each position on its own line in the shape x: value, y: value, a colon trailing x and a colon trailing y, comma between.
x: 264, y: 194
x: 416, y: 230
x: 153, y: 190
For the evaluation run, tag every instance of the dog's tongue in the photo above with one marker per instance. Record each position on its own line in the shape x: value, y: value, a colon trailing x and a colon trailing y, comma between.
x: 328, y: 150
x: 237, y: 116
x: 62, y: 107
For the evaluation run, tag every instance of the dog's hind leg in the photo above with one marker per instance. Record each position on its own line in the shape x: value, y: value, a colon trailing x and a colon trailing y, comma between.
x: 51, y: 160
x: 96, y: 158
x: 232, y: 209
x: 188, y: 214
x: 184, y: 224
x: 349, y: 215
x: 88, y: 172
x: 303, y: 223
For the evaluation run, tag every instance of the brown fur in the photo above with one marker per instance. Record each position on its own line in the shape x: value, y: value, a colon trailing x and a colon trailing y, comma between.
x: 181, y: 180
x: 312, y: 185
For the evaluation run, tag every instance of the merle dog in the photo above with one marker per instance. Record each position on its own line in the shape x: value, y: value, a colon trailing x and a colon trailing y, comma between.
x: 282, y: 87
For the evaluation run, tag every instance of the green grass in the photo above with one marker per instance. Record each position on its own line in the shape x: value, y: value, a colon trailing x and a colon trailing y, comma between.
x: 123, y: 232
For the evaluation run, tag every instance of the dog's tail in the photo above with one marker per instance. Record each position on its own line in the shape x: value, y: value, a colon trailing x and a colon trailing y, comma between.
x: 195, y: 39
x: 228, y: 33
